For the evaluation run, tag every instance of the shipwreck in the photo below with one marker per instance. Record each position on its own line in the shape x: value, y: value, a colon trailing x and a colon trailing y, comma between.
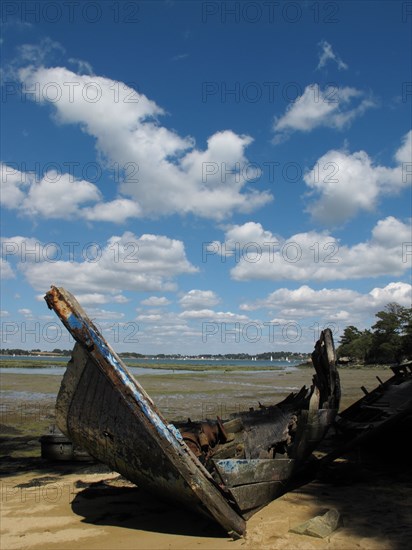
x: 382, y: 414
x: 226, y: 469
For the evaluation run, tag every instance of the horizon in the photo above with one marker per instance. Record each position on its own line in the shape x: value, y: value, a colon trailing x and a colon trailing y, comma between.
x: 65, y: 352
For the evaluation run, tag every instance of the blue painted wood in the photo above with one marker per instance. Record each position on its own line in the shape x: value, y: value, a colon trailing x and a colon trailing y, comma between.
x: 132, y: 436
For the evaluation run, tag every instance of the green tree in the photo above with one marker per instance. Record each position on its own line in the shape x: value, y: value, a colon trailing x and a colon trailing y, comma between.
x: 361, y: 347
x: 349, y: 336
x: 387, y: 342
x: 355, y: 344
x: 406, y: 333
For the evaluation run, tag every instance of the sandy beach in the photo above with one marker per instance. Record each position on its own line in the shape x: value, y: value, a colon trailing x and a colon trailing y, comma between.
x: 83, y: 505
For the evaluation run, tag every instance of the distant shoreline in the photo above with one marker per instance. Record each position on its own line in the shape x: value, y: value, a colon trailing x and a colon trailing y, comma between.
x: 181, y: 366
x: 26, y: 364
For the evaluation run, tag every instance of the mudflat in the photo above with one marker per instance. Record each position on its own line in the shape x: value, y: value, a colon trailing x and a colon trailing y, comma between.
x: 83, y: 505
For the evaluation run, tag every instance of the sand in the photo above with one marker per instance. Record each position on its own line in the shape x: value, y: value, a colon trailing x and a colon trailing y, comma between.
x: 85, y: 506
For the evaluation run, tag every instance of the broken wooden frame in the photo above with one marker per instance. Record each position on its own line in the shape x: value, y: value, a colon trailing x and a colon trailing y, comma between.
x: 230, y: 470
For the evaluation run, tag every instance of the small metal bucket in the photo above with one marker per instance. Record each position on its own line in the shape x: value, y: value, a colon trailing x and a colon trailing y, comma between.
x: 56, y: 447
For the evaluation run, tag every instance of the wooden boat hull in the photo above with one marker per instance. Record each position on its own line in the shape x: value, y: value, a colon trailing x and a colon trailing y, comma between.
x: 382, y: 416
x: 380, y: 410
x: 104, y: 411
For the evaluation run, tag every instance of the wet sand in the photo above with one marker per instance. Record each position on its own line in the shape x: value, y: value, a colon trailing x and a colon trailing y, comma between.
x: 80, y: 505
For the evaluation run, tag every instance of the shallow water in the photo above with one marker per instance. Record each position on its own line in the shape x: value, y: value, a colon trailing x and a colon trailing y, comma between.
x: 59, y: 371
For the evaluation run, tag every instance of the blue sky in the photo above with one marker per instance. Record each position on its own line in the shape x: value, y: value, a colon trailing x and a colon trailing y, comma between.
x: 206, y: 177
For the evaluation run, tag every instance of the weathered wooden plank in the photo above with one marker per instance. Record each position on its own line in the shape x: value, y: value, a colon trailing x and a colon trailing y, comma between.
x: 251, y: 497
x: 272, y: 429
x: 311, y: 429
x: 230, y: 449
x: 237, y: 472
x: 68, y: 387
x: 379, y: 413
x: 233, y: 426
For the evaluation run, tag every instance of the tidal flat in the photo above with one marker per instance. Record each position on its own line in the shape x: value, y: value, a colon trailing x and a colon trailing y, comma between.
x: 28, y: 399
x: 60, y: 506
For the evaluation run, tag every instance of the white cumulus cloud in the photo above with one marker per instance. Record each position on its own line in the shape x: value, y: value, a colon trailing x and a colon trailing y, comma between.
x: 347, y: 183
x: 331, y: 107
x: 199, y: 299
x: 116, y: 211
x: 214, y: 316
x: 6, y: 270
x: 60, y: 196
x: 172, y: 175
x: 338, y: 304
x: 155, y: 301
x: 318, y: 256
x: 126, y: 262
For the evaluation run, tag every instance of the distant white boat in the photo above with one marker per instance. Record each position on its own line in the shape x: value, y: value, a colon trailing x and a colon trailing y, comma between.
x: 271, y: 357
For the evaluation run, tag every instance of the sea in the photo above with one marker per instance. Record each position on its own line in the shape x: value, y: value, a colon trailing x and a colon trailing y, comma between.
x: 285, y: 365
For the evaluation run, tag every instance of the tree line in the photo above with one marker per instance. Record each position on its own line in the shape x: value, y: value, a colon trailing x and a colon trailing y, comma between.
x: 389, y: 340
